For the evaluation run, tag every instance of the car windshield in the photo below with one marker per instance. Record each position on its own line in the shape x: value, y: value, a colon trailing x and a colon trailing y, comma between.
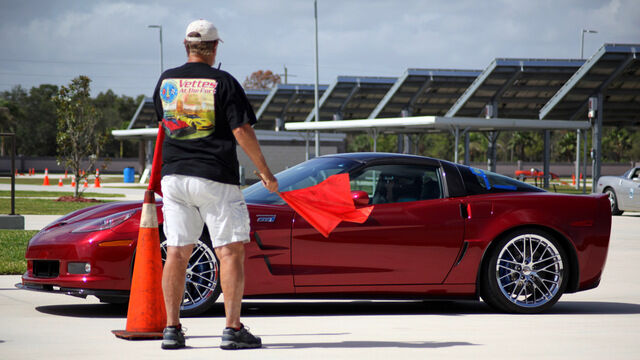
x: 303, y: 175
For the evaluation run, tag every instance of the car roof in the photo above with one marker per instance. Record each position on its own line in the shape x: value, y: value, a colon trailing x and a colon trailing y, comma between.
x: 371, y: 156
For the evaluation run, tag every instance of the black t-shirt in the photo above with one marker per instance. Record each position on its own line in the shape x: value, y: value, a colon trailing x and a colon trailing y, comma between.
x: 199, y: 107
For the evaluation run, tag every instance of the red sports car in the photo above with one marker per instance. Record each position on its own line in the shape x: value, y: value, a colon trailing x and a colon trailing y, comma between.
x: 437, y: 230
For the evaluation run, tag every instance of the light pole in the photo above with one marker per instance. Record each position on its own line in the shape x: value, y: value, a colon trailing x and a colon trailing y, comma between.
x: 161, y: 57
x: 578, y: 132
x: 582, y: 40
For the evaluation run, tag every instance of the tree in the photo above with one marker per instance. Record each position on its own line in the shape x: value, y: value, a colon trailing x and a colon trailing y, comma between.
x: 7, y: 123
x: 36, y: 122
x: 567, y: 146
x: 260, y: 80
x: 616, y: 143
x: 78, y: 139
x: 115, y: 112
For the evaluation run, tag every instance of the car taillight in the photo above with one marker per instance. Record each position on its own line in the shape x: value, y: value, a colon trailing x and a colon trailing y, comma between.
x: 105, y: 222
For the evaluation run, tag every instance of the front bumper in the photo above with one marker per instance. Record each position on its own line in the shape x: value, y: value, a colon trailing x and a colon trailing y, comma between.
x: 122, y: 295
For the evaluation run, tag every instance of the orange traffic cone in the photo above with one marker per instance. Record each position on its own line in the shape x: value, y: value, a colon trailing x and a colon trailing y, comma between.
x: 85, y: 183
x: 60, y: 182
x: 573, y: 179
x: 73, y: 181
x: 97, y: 182
x: 46, y: 177
x: 146, y: 316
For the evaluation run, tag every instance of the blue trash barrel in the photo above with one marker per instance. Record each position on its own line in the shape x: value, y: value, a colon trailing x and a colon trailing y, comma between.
x: 129, y: 175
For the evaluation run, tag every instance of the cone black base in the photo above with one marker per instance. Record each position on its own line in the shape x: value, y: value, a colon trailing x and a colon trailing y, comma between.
x: 128, y: 335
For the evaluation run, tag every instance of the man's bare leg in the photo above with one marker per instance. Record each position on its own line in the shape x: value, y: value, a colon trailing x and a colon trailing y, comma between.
x: 173, y: 279
x: 232, y: 280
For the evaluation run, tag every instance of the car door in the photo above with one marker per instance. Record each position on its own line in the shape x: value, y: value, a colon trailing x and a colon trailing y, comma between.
x: 630, y: 194
x: 412, y: 236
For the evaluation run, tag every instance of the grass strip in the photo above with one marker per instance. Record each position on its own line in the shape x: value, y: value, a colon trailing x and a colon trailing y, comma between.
x: 25, y: 206
x: 53, y: 180
x: 56, y: 194
x: 14, y: 245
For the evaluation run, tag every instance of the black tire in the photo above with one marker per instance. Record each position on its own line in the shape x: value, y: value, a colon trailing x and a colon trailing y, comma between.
x: 202, y: 286
x: 613, y: 199
x: 526, y: 272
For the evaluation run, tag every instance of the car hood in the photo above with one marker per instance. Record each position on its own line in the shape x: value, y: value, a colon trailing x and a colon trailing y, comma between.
x: 94, y: 212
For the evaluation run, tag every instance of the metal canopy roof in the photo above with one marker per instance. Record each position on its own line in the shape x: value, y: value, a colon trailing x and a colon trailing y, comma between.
x: 614, y: 71
x: 435, y: 123
x: 256, y: 97
x: 518, y: 88
x: 424, y: 92
x: 350, y: 97
x: 145, y: 115
x: 288, y: 102
x: 263, y: 135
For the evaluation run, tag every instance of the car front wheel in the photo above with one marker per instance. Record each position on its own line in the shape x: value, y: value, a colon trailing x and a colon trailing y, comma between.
x: 526, y: 273
x: 613, y: 199
x: 202, y: 285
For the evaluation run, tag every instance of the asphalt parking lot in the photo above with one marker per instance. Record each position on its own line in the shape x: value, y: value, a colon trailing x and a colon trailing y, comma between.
x: 596, y: 324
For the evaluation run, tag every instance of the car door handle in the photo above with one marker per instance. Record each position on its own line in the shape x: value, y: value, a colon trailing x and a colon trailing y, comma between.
x: 465, y: 212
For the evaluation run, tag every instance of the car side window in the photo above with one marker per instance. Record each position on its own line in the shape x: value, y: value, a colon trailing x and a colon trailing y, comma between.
x: 398, y: 183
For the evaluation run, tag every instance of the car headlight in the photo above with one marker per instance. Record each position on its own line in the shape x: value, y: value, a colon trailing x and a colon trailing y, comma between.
x: 105, y: 222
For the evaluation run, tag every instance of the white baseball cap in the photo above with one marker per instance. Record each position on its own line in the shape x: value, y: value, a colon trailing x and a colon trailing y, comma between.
x: 205, y: 30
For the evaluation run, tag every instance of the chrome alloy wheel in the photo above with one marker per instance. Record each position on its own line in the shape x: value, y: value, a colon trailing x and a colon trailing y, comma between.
x: 529, y: 270
x: 202, y: 278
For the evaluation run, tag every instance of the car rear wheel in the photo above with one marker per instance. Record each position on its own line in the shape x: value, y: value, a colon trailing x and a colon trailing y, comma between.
x: 526, y: 273
x: 613, y: 199
x: 202, y: 286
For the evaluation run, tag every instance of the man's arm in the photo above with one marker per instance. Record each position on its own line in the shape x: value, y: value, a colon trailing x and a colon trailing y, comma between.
x: 246, y: 138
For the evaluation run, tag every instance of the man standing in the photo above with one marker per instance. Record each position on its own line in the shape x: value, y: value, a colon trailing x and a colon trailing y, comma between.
x: 204, y: 113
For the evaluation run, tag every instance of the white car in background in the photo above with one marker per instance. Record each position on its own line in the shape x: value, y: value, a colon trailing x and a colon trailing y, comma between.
x: 623, y: 191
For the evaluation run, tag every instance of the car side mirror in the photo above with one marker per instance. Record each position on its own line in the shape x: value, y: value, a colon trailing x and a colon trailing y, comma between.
x: 360, y: 198
x: 636, y: 179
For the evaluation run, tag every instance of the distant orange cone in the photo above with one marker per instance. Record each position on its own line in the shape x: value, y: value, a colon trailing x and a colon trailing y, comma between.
x: 146, y: 316
x: 97, y: 182
x: 60, y: 182
x: 573, y: 179
x: 85, y: 183
x: 73, y: 181
x: 46, y: 177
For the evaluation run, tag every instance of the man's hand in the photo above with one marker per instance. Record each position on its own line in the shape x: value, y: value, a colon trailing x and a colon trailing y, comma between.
x: 246, y: 138
x: 270, y: 182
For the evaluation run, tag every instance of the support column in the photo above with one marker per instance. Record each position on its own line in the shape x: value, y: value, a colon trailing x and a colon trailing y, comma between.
x: 403, y: 141
x: 546, y: 159
x: 577, y: 172
x: 597, y: 144
x: 457, y: 141
x: 491, y: 111
x: 374, y: 134
x: 492, y: 151
x: 306, y: 146
x: 467, y: 156
x: 584, y: 162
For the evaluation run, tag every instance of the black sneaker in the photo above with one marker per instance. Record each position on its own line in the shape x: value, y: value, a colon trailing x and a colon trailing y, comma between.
x: 239, y: 339
x: 173, y: 338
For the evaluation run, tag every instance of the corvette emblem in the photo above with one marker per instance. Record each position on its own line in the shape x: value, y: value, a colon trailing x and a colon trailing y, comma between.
x: 266, y: 218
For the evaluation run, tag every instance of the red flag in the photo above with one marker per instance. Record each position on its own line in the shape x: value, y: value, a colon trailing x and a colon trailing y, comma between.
x: 325, y: 205
x: 156, y: 166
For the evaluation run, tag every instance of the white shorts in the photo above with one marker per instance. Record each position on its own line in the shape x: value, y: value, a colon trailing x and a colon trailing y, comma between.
x: 189, y: 202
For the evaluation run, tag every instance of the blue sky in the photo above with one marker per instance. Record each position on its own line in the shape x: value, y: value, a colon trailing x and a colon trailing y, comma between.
x: 53, y: 41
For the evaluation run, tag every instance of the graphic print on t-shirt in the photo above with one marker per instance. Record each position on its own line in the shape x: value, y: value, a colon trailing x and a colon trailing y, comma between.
x: 189, y: 107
